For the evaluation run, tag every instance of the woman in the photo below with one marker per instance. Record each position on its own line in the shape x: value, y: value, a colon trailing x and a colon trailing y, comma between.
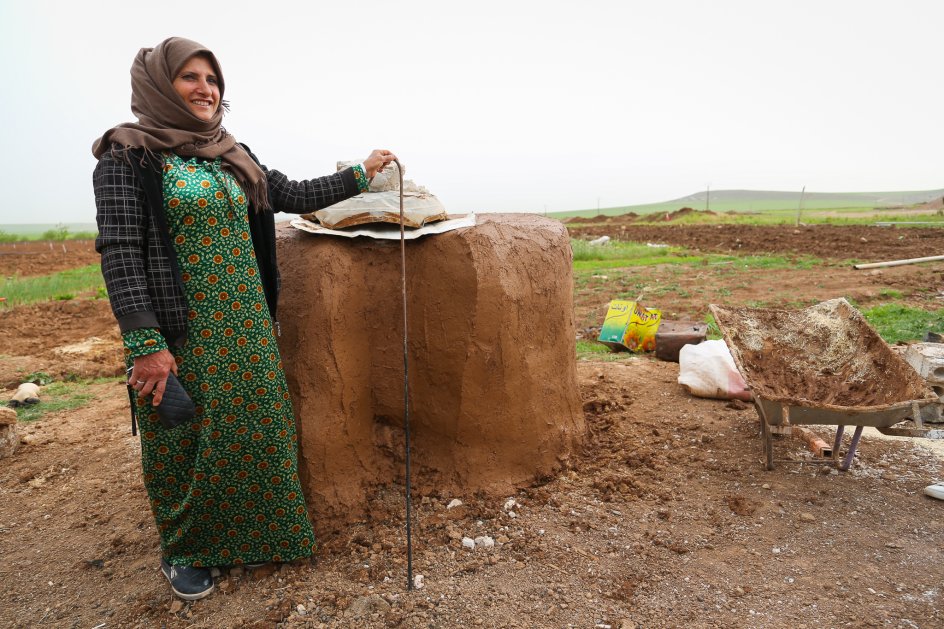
x: 186, y: 235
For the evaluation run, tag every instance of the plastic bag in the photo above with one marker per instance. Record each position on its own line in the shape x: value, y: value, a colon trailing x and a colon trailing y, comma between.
x: 629, y: 325
x: 707, y: 370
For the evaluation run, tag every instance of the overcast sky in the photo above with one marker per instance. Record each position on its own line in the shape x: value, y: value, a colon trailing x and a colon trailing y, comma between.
x: 494, y: 106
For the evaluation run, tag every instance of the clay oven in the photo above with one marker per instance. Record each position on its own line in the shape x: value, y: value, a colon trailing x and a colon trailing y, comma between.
x: 494, y: 400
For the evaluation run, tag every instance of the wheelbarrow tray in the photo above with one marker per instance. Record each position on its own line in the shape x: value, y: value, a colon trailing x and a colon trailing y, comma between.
x: 800, y: 414
x: 823, y: 365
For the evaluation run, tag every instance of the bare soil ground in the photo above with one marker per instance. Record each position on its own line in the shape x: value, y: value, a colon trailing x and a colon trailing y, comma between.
x: 685, y: 292
x: 42, y: 257
x: 665, y: 518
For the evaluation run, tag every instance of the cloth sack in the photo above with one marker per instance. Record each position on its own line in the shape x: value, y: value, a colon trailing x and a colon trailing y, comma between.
x: 707, y: 370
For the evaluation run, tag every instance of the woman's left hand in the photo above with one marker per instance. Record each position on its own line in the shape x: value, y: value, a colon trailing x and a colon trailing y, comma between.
x: 376, y: 161
x: 149, y: 374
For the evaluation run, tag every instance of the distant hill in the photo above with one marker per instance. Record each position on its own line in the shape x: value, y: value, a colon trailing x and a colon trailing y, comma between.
x: 767, y: 200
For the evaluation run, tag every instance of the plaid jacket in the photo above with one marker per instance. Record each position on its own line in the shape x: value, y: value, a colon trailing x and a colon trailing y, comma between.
x: 138, y: 260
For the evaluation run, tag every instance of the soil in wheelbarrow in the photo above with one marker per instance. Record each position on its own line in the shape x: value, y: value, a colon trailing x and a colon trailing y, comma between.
x: 824, y: 355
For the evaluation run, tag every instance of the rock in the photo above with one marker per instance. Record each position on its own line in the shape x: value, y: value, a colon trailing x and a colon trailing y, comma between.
x: 765, y: 486
x: 807, y: 517
x: 468, y: 542
x: 176, y: 606
x: 367, y: 605
x: 453, y: 532
x: 484, y: 542
x: 9, y: 441
x: 418, y: 581
x: 7, y: 416
x: 301, y: 610
x: 455, y: 502
x: 478, y: 294
x: 510, y: 504
x: 457, y: 513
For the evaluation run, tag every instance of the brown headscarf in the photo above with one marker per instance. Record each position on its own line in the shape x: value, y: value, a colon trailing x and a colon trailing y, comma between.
x: 165, y: 121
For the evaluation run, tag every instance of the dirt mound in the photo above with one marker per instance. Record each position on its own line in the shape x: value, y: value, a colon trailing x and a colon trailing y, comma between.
x: 934, y: 204
x: 628, y: 217
x: 686, y: 211
x: 494, y: 402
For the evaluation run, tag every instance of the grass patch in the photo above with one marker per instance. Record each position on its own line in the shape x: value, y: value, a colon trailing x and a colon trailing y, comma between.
x: 592, y: 350
x: 623, y: 253
x: 60, y: 396
x: 767, y: 262
x: 890, y: 293
x: 616, y: 254
x: 896, y: 323
x: 61, y: 285
x: 714, y: 332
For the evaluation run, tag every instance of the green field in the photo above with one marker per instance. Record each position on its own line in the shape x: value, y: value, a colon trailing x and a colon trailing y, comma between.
x: 64, y: 285
x: 778, y: 207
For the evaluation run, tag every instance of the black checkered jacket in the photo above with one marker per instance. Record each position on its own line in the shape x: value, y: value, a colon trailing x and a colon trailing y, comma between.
x: 138, y: 260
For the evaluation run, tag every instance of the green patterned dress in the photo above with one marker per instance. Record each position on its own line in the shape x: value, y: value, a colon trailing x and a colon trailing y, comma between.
x: 224, y: 490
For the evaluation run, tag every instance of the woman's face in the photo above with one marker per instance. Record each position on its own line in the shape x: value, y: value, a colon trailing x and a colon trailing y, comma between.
x: 197, y: 84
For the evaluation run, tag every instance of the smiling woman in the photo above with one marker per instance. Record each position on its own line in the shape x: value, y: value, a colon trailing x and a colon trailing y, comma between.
x: 198, y: 85
x: 187, y: 239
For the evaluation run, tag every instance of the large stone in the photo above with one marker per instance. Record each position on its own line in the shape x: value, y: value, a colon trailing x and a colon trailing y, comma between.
x: 8, y: 437
x: 494, y: 403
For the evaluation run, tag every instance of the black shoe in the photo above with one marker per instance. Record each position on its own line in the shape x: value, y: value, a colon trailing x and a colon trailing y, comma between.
x: 187, y: 582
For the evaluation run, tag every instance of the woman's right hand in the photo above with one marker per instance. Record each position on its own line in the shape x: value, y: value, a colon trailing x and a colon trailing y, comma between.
x: 149, y: 374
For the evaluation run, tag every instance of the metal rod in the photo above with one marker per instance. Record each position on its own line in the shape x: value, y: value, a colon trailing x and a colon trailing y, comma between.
x: 838, y: 441
x: 852, y: 448
x: 406, y: 393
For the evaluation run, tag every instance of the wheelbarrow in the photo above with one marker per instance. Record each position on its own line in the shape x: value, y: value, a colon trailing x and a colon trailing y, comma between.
x: 823, y: 365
